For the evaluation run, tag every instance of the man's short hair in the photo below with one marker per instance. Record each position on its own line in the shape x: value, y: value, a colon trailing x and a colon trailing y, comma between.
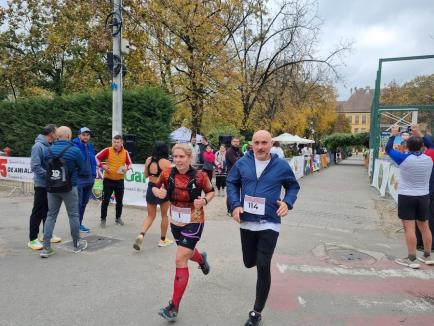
x: 204, y: 138
x: 235, y: 137
x: 414, y: 143
x: 117, y: 137
x: 48, y: 129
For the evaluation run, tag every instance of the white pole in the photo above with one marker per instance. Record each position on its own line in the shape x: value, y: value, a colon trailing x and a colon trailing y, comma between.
x: 117, y: 80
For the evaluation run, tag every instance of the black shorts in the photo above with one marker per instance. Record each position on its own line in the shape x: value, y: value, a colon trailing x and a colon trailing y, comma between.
x: 188, y: 235
x: 150, y: 197
x: 253, y: 242
x: 414, y: 207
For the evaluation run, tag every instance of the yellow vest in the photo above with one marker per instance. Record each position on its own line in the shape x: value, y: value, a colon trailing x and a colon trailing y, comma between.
x: 114, y: 161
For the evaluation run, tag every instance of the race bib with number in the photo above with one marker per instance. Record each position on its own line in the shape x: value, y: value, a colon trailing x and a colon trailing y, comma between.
x: 180, y: 215
x: 254, y: 205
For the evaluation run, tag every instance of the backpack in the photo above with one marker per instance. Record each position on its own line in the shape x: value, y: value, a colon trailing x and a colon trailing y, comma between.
x: 58, y: 177
x: 194, y: 191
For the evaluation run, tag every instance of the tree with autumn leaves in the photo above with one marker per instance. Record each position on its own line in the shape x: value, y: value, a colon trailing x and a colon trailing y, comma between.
x: 241, y: 63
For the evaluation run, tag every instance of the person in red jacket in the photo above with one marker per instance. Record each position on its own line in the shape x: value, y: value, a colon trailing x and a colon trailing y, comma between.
x: 208, y: 161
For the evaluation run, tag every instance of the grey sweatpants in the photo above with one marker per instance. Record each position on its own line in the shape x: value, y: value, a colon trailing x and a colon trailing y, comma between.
x: 71, y: 203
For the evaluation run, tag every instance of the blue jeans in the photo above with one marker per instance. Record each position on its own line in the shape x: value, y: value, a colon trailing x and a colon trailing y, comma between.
x: 83, y: 198
x: 71, y: 203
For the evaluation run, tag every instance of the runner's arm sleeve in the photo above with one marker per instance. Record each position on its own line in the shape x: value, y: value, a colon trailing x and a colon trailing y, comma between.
x: 427, y: 142
x: 291, y: 186
x: 233, y: 184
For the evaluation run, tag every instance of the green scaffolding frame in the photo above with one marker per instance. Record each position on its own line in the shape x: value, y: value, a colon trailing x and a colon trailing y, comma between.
x: 376, y: 108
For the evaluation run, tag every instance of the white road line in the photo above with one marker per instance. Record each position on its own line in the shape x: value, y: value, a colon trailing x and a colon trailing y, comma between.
x: 407, y: 306
x: 340, y: 271
x: 302, y: 302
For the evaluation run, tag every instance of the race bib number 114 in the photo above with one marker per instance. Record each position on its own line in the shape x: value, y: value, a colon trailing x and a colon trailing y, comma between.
x: 254, y: 205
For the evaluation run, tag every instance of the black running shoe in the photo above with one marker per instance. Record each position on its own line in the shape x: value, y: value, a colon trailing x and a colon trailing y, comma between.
x: 205, y: 267
x: 169, y: 313
x: 255, y: 319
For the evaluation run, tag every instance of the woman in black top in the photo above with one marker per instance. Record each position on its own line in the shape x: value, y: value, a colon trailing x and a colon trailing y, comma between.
x: 153, y: 167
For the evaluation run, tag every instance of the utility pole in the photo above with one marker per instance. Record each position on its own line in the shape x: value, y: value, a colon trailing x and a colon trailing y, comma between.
x: 117, y: 77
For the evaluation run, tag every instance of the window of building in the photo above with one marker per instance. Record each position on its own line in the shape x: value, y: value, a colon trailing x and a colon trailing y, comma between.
x: 364, y: 119
x: 357, y: 119
x: 350, y: 118
x: 356, y: 130
x: 363, y: 130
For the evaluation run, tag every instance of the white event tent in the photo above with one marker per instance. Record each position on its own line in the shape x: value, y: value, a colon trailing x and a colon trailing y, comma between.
x: 292, y: 139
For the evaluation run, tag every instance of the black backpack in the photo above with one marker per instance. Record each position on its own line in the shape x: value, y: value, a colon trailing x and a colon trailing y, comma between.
x: 58, y: 177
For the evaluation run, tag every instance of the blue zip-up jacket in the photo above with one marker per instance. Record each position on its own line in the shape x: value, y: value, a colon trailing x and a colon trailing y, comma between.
x: 72, y: 157
x: 88, y: 175
x: 242, y: 181
x: 37, y: 161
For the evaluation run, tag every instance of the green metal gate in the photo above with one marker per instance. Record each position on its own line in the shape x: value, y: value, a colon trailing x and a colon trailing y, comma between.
x: 377, y: 109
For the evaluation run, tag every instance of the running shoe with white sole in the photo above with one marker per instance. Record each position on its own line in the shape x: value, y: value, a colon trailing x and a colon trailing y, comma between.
x: 407, y: 262
x: 81, y: 245
x: 47, y: 252
x: 119, y: 221
x: 35, y: 245
x: 138, y: 242
x: 427, y: 260
x: 170, y: 313
x: 165, y: 243
x: 54, y: 239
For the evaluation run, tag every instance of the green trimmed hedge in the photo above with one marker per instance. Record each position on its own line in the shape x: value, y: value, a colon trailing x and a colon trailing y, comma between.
x: 147, y: 113
x: 336, y: 140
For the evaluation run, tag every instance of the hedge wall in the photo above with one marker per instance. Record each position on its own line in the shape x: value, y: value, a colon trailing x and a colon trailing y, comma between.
x: 146, y: 113
x: 336, y: 140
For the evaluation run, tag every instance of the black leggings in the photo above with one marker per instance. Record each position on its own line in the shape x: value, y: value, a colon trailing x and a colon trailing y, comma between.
x: 220, y: 181
x: 258, y: 248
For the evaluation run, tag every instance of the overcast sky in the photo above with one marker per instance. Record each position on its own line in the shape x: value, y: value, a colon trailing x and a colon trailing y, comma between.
x: 378, y: 29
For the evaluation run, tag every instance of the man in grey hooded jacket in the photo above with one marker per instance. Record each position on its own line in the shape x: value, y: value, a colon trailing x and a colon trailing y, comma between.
x: 40, y: 203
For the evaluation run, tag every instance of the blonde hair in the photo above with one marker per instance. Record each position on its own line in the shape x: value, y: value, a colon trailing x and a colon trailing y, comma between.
x: 184, y: 147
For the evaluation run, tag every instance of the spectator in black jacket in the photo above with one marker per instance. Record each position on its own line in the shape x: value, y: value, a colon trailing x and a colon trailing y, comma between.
x: 233, y: 154
x: 202, y: 147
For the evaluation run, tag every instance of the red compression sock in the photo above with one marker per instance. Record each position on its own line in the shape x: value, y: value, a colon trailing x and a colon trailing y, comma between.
x: 179, y: 285
x: 197, y: 257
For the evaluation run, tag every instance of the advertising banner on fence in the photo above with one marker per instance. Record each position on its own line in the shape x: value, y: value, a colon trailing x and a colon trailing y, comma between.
x: 135, y: 187
x: 381, y: 175
x: 393, y: 182
x: 297, y: 165
x: 16, y: 169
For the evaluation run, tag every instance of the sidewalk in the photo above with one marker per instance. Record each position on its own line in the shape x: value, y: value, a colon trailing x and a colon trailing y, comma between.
x: 333, y: 266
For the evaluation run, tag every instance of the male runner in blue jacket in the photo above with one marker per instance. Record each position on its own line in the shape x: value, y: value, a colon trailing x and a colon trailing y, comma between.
x: 254, y: 186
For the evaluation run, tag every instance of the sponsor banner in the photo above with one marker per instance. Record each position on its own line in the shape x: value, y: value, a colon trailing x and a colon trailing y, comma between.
x: 16, y: 168
x: 135, y: 184
x: 381, y: 175
x: 325, y: 160
x: 316, y: 162
x: 393, y: 182
x: 297, y: 165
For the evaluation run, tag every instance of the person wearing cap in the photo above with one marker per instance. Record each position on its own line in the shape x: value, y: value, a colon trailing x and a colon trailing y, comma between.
x: 117, y: 163
x: 40, y: 202
x: 86, y: 179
